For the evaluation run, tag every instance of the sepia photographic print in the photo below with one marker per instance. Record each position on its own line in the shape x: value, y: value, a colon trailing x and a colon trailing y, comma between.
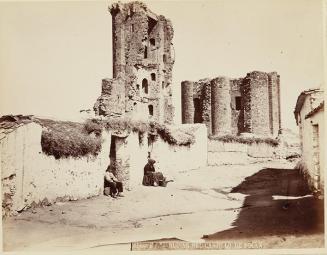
x: 177, y: 126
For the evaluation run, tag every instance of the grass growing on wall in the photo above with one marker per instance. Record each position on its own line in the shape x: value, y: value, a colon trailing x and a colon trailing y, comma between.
x: 245, y: 140
x: 171, y: 136
x: 64, y: 139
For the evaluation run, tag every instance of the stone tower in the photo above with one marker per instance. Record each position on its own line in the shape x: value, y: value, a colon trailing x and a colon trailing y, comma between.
x: 220, y: 106
x: 234, y: 106
x: 143, y: 58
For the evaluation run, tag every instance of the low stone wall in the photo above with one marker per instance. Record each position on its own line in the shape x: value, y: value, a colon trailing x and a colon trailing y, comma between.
x: 220, y: 153
x: 172, y: 159
x: 31, y: 177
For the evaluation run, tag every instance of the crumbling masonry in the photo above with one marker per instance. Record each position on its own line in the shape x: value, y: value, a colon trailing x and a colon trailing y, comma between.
x: 142, y: 65
x: 234, y: 106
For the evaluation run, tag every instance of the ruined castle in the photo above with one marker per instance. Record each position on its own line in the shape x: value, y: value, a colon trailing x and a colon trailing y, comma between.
x: 234, y: 106
x: 143, y: 58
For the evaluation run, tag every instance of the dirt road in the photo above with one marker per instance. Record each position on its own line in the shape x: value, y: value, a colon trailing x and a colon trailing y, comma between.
x: 245, y: 203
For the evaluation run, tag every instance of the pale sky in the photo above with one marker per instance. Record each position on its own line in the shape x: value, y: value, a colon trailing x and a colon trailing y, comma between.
x: 53, y: 55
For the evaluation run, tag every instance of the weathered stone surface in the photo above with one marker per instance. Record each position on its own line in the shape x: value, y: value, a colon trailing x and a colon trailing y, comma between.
x: 143, y: 58
x: 112, y: 100
x: 220, y: 106
x: 245, y: 105
x: 187, y: 102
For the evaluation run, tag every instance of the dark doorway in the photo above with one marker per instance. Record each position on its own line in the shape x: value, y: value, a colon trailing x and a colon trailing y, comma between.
x: 164, y: 58
x: 145, y: 86
x: 151, y: 24
x: 238, y: 103
x: 145, y: 52
x: 150, y: 110
x: 197, y: 111
x: 112, y: 154
x: 152, y: 42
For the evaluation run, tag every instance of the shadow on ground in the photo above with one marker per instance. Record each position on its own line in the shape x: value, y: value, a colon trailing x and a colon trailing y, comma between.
x: 261, y: 215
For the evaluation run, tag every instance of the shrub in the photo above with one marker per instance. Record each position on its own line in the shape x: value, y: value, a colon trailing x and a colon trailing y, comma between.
x: 63, y: 139
x: 245, y: 140
x: 125, y: 124
x: 92, y: 126
x: 171, y: 136
x: 174, y: 136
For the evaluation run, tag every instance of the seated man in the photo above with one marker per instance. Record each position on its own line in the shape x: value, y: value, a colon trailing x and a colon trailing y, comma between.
x: 116, y: 187
x: 151, y: 177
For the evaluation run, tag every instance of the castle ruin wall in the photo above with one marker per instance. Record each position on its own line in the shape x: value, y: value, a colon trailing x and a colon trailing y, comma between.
x: 187, y: 102
x: 245, y: 105
x: 259, y: 103
x: 220, y: 106
x: 143, y: 56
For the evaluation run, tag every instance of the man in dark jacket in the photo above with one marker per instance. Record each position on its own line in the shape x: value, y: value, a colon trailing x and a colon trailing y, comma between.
x: 151, y: 177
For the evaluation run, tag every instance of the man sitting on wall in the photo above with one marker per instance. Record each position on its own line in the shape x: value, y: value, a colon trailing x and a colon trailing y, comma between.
x: 115, y: 186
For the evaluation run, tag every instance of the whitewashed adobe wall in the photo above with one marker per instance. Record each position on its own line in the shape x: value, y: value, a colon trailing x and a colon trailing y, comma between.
x: 318, y: 118
x: 314, y: 175
x: 29, y: 176
x: 171, y: 159
x: 220, y: 153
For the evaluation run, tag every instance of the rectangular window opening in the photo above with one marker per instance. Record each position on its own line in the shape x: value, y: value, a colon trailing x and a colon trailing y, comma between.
x: 238, y: 103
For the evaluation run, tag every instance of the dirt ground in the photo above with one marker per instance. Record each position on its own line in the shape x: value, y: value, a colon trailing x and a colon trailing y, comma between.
x: 263, y: 205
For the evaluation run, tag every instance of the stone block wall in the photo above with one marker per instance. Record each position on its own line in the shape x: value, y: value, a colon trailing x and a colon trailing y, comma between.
x: 259, y: 121
x: 206, y: 105
x: 245, y: 105
x: 143, y: 56
x: 237, y: 122
x: 187, y: 102
x: 274, y: 103
x: 112, y: 100
x: 220, y: 106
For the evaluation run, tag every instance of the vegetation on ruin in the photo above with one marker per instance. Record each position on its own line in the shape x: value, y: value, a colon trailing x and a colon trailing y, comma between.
x: 63, y: 139
x: 172, y: 136
x: 244, y: 140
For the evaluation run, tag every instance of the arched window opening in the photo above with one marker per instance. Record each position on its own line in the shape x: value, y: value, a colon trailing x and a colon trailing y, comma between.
x: 137, y: 86
x: 153, y: 42
x: 150, y: 110
x: 145, y: 86
x: 153, y: 76
x: 145, y: 52
x: 163, y: 85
